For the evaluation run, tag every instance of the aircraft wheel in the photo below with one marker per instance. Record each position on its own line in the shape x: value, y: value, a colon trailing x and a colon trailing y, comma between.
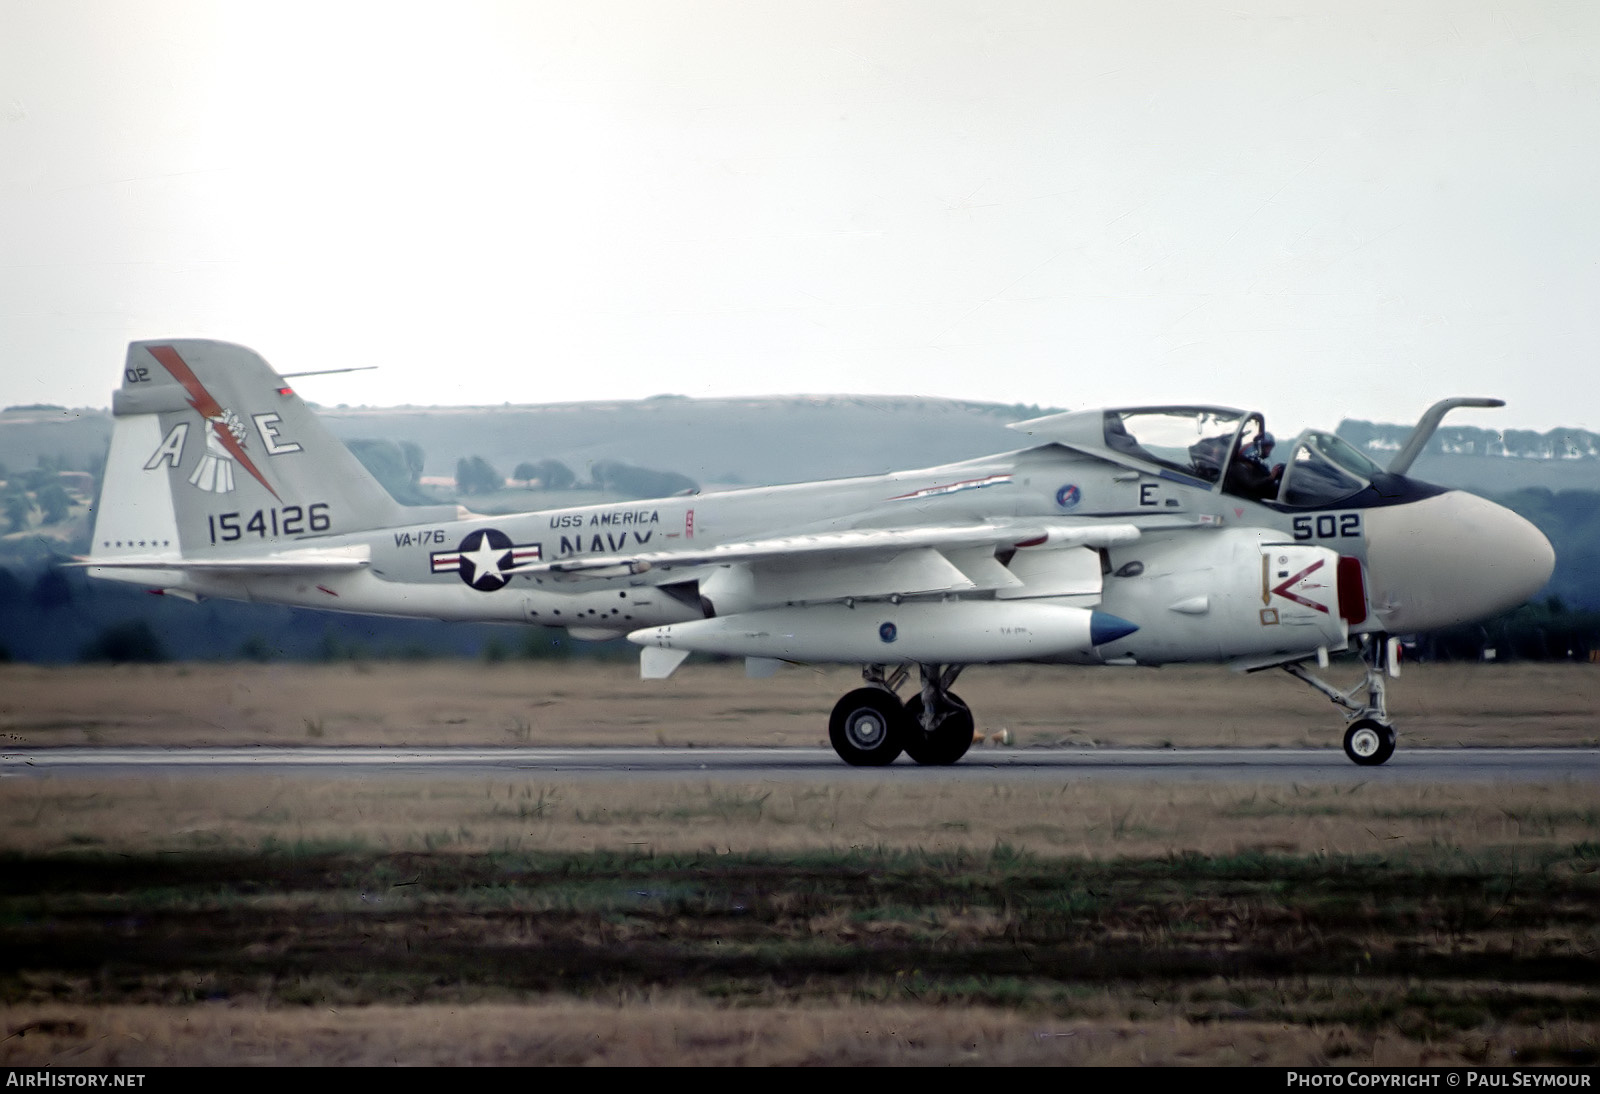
x: 1369, y: 742
x: 949, y: 740
x: 868, y: 727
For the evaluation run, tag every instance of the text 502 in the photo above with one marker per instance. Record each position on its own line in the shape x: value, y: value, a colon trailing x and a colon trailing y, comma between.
x: 1328, y: 526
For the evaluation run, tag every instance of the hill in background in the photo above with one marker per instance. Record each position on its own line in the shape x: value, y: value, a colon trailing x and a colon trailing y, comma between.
x: 778, y: 439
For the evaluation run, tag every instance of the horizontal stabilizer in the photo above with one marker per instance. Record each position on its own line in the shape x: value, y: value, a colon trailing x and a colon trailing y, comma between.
x: 227, y: 566
x: 296, y: 563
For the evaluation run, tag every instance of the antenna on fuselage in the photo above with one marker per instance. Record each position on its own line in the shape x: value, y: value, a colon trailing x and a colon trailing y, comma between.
x: 327, y: 371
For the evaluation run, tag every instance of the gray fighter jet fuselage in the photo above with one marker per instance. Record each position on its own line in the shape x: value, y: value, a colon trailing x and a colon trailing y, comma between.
x: 1131, y: 536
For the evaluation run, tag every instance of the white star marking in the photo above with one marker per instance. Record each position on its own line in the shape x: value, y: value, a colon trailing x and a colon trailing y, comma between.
x: 485, y: 560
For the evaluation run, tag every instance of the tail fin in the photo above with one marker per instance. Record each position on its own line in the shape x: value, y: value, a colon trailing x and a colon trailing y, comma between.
x: 212, y: 450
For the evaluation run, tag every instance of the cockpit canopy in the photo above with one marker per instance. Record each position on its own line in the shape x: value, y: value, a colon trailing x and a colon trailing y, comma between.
x: 1193, y: 441
x: 1210, y: 445
x: 1324, y: 469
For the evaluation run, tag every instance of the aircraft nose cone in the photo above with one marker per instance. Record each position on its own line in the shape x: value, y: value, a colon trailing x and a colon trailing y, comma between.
x: 1454, y: 558
x: 1534, y: 561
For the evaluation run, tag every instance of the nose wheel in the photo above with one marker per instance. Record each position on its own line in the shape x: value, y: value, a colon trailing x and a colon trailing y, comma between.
x: 1370, y: 739
x: 1369, y: 742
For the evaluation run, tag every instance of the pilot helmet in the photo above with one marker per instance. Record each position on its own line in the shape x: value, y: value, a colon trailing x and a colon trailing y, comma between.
x: 1261, y: 447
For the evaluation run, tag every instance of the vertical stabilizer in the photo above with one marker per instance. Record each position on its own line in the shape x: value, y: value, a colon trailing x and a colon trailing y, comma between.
x: 212, y: 451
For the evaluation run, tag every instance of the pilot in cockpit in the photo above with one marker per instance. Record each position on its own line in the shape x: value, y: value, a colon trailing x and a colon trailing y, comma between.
x: 1251, y: 473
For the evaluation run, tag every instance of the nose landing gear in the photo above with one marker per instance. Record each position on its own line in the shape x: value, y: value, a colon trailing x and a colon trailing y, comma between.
x: 1371, y: 737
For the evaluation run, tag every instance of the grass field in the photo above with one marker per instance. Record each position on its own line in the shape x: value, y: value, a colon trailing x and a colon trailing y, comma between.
x: 231, y: 920
x: 585, y: 702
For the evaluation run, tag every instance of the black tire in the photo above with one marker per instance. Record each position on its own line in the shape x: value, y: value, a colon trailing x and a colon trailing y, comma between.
x: 1369, y: 742
x: 868, y: 728
x: 949, y: 740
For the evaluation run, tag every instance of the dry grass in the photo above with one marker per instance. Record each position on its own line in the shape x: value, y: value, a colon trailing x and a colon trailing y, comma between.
x: 657, y: 1032
x: 1077, y: 818
x: 581, y: 703
x: 577, y: 703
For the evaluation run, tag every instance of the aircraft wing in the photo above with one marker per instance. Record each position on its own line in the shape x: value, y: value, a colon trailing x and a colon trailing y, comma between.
x: 815, y: 547
x: 1047, y: 559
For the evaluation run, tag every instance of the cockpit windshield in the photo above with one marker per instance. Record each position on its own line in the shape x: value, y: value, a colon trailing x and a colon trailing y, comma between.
x: 1194, y: 441
x: 1206, y: 444
x: 1324, y: 470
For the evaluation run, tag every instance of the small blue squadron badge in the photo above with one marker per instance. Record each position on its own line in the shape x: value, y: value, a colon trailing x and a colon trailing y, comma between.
x: 888, y: 632
x: 486, y: 559
x: 1069, y: 496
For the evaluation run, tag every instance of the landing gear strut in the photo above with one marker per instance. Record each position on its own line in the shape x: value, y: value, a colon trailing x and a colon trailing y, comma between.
x: 1370, y: 739
x: 870, y: 726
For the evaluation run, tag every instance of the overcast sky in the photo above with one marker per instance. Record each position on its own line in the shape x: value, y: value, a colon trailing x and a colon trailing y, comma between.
x: 1322, y: 210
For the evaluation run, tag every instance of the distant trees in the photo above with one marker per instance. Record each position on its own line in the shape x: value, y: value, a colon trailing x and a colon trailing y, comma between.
x: 1572, y: 444
x: 415, y: 460
x: 475, y: 475
x: 54, y: 503
x: 131, y: 640
x: 18, y: 508
x: 609, y: 476
x: 1466, y: 440
x: 397, y: 466
x: 550, y: 474
x: 1538, y: 631
x: 1570, y: 519
x: 39, y: 490
x: 640, y: 482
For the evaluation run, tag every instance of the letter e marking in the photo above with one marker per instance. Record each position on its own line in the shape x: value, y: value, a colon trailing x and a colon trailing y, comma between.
x: 267, y: 426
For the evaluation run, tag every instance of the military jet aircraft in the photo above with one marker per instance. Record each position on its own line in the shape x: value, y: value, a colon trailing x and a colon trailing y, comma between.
x: 1132, y: 536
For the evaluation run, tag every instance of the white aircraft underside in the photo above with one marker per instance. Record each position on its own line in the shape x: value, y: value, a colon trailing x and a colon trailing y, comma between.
x: 1137, y: 536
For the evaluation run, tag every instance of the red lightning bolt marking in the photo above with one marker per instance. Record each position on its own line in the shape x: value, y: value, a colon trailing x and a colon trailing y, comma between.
x: 209, y: 408
x: 1283, y: 589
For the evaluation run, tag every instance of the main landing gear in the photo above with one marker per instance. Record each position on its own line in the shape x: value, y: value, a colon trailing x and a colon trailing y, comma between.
x: 870, y: 726
x: 1370, y: 738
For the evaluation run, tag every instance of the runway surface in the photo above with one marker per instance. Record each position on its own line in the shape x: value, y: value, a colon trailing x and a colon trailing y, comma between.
x: 1508, y: 765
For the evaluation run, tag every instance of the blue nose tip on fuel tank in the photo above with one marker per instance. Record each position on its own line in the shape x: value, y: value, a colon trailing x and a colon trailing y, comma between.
x: 1105, y: 627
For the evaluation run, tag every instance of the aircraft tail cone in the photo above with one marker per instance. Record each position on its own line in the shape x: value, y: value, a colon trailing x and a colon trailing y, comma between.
x: 1105, y: 627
